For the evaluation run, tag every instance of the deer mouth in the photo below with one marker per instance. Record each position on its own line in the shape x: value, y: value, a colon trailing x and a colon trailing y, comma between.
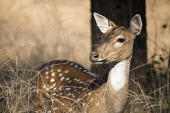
x: 95, y: 57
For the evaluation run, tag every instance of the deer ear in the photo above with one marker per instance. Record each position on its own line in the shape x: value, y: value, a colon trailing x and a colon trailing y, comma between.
x: 136, y: 24
x: 103, y: 23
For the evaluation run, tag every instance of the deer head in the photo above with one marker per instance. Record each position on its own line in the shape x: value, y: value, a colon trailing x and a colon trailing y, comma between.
x: 117, y: 42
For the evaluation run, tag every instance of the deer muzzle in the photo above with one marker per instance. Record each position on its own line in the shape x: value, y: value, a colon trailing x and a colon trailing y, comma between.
x: 94, y: 57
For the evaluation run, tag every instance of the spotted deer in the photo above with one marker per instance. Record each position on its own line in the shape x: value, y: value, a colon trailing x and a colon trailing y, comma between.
x: 63, y: 85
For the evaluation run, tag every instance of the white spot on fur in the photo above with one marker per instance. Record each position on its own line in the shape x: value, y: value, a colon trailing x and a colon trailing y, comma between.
x: 59, y: 70
x: 53, y: 74
x: 68, y: 89
x: 61, y: 93
x: 75, y: 90
x: 62, y: 78
x: 46, y: 73
x: 71, y: 63
x: 118, y: 74
x: 47, y: 89
x: 52, y: 80
x: 76, y: 66
x: 60, y: 74
x: 47, y: 77
x: 67, y: 61
x: 53, y: 94
x: 73, y: 95
x: 67, y: 79
x: 53, y: 86
x: 53, y: 66
x: 84, y: 70
x: 66, y: 71
x: 60, y: 88
x: 75, y: 79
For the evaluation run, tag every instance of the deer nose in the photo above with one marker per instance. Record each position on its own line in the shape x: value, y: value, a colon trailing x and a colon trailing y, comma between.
x: 94, y: 56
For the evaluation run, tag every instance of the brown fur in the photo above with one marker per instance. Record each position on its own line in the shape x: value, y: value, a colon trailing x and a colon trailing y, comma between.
x: 110, y: 53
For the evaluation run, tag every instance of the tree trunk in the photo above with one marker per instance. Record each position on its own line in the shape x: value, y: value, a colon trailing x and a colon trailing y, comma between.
x: 121, y: 12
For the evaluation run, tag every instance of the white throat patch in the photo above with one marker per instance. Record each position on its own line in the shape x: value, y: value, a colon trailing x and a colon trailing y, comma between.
x: 118, y: 74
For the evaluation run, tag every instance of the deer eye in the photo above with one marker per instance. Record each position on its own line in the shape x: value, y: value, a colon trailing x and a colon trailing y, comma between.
x: 121, y: 40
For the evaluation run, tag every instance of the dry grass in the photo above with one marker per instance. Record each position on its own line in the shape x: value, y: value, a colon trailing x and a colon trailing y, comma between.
x: 152, y: 96
x: 15, y: 86
x: 16, y: 90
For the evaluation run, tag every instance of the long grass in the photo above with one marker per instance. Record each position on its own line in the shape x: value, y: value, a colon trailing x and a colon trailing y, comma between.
x: 16, y: 89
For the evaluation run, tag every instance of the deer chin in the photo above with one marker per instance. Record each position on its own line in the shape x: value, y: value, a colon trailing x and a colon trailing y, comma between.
x: 106, y: 61
x: 100, y: 61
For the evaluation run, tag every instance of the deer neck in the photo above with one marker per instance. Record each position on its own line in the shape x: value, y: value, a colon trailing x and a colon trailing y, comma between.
x: 117, y: 86
x: 119, y: 75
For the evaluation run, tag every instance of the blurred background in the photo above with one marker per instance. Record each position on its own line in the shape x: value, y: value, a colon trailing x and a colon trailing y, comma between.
x: 33, y: 32
x: 43, y: 30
